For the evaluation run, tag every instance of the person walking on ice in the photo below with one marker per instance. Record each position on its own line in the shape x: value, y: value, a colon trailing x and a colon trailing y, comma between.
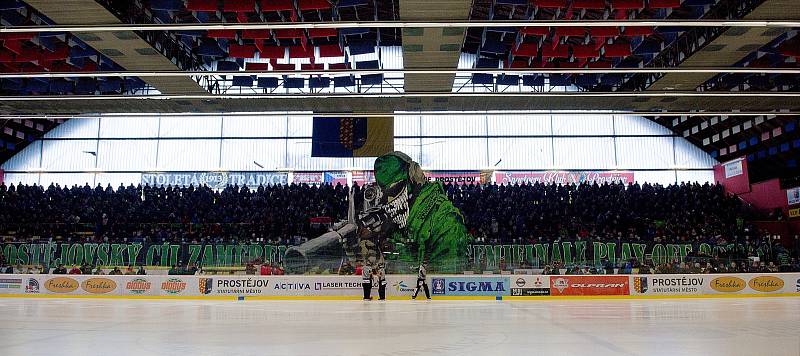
x: 366, y: 280
x: 421, y: 282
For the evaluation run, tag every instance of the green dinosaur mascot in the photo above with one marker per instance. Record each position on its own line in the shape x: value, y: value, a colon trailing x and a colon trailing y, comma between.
x: 424, y: 224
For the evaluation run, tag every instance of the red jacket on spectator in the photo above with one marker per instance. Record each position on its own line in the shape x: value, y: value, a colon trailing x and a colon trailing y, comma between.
x: 266, y: 270
x: 75, y: 270
x: 359, y: 269
x: 277, y: 271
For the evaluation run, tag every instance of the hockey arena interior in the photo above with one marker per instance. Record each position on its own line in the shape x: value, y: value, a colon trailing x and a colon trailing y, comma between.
x: 399, y: 177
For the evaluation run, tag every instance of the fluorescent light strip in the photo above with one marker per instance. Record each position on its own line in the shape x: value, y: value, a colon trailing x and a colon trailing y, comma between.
x: 398, y: 24
x: 396, y: 114
x: 761, y: 94
x: 404, y: 71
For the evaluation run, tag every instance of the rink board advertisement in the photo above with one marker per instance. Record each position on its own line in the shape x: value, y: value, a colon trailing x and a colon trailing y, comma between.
x: 401, y: 286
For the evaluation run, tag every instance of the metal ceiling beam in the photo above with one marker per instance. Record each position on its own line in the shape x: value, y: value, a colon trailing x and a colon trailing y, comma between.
x: 668, y: 94
x: 738, y: 70
x: 399, y: 24
x: 417, y: 113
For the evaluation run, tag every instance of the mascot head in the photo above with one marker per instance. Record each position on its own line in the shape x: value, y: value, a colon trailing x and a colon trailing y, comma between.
x: 397, y: 175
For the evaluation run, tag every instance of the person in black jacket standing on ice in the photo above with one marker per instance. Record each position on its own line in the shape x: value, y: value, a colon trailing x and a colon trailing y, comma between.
x: 366, y: 281
x: 421, y: 282
x: 381, y: 274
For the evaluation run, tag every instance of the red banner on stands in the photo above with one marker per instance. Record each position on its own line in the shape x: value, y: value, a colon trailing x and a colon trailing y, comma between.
x: 308, y: 178
x: 589, y: 285
x: 562, y: 177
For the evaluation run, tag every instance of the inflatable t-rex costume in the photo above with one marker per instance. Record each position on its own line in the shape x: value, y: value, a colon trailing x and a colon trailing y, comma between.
x: 404, y: 213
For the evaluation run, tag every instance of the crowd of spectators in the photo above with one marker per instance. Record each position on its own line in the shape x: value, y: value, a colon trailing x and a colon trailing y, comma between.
x: 289, y: 215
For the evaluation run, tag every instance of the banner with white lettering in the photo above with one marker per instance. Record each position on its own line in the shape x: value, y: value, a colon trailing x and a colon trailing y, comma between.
x: 563, y: 177
x: 215, y: 180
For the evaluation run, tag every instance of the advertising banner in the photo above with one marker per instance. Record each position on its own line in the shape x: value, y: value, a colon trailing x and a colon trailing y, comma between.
x: 363, y: 177
x: 454, y: 177
x: 733, y: 168
x: 310, y: 178
x: 534, y: 285
x: 334, y: 178
x: 668, y: 285
x: 563, y: 177
x: 792, y: 195
x: 589, y: 285
x: 215, y: 180
x: 470, y: 286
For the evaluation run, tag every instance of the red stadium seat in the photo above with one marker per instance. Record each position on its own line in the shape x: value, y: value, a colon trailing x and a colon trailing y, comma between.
x: 330, y: 51
x: 227, y: 34
x: 276, y: 5
x: 535, y: 31
x: 664, y: 4
x: 552, y: 4
x: 306, y: 5
x: 627, y: 4
x: 301, y: 52
x: 585, y: 51
x: 256, y: 34
x: 617, y: 50
x: 338, y: 66
x: 312, y: 66
x: 283, y: 66
x: 589, y: 4
x: 559, y: 51
x: 256, y: 66
x: 526, y: 50
x: 570, y: 31
x: 242, y: 51
x: 602, y: 32
x: 633, y: 31
x: 322, y: 32
x: 600, y: 64
x: 239, y: 6
x: 289, y: 34
x: 266, y: 51
x: 202, y: 5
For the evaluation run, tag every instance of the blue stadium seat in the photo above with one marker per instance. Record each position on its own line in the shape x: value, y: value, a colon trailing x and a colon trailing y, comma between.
x: 346, y: 81
x: 533, y: 80
x: 294, y: 83
x: 753, y: 141
x: 228, y: 66
x: 372, y: 79
x: 10, y: 5
x: 368, y: 65
x: 785, y: 147
x: 361, y: 47
x: 319, y: 82
x: 168, y: 5
x: 243, y: 80
x: 85, y: 86
x: 267, y: 82
x: 109, y: 85
x: 559, y: 80
x: 482, y: 78
x: 507, y: 79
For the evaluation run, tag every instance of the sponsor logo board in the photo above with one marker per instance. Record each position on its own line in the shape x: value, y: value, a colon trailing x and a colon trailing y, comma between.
x: 589, y: 285
x: 766, y: 284
x: 99, y: 285
x: 10, y: 283
x: 727, y: 284
x: 529, y: 292
x: 32, y: 286
x: 235, y: 286
x: 138, y: 286
x: 668, y: 285
x: 173, y: 286
x: 61, y: 285
x: 471, y: 286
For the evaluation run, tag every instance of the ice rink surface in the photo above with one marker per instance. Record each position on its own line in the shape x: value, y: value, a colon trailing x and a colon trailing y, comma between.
x: 57, y: 327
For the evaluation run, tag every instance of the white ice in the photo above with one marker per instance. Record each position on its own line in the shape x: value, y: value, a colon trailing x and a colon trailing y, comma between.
x: 55, y: 327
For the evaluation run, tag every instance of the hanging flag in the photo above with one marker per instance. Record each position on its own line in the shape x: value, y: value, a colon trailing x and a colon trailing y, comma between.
x: 352, y: 136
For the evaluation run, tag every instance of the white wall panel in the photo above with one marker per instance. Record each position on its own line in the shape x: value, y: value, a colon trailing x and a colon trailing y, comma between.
x: 75, y: 128
x: 68, y: 155
x: 299, y: 158
x: 452, y: 125
x: 655, y: 177
x: 26, y: 159
x: 195, y: 155
x: 409, y: 146
x: 702, y: 177
x: 115, y: 179
x: 639, y: 152
x: 518, y: 124
x: 406, y: 125
x: 68, y: 179
x: 254, y: 126
x: 300, y: 126
x: 637, y: 125
x: 588, y: 124
x: 688, y: 155
x: 520, y: 153
x: 21, y: 178
x: 583, y: 153
x: 240, y: 154
x: 127, y: 155
x: 190, y: 126
x: 459, y: 154
x: 128, y: 127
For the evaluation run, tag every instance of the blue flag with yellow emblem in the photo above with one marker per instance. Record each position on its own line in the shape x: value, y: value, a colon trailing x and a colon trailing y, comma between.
x: 352, y: 136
